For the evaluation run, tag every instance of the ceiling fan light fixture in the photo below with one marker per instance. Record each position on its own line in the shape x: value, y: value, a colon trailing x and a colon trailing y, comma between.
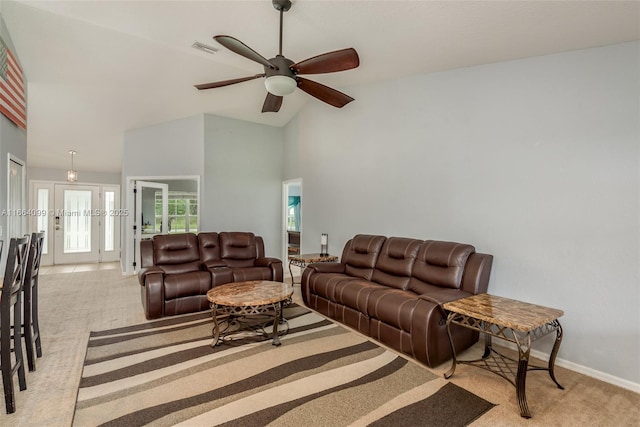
x: 280, y: 85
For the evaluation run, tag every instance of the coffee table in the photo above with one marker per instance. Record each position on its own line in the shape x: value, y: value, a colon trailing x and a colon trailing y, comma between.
x: 305, y: 259
x: 515, y: 321
x: 251, y: 305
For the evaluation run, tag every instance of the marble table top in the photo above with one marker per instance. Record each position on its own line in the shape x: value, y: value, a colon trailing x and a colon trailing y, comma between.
x: 250, y: 293
x: 517, y: 315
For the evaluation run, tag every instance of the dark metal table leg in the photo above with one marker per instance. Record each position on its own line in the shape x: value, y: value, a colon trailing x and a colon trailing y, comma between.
x: 554, y: 353
x: 276, y: 322
x: 451, y: 370
x: 215, y: 332
x: 524, y: 349
x: 291, y: 273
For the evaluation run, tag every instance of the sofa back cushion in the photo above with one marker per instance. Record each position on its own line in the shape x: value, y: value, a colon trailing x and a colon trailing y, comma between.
x: 360, y: 254
x: 439, y: 264
x: 238, y: 249
x: 209, y: 245
x: 177, y: 250
x: 395, y: 262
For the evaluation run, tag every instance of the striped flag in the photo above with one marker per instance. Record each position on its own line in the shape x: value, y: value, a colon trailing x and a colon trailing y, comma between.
x: 13, y: 103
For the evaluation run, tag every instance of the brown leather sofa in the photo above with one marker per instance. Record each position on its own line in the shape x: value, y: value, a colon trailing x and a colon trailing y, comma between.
x: 178, y: 269
x: 392, y: 289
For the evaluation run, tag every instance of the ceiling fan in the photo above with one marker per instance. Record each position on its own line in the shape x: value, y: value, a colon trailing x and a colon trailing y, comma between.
x: 283, y: 75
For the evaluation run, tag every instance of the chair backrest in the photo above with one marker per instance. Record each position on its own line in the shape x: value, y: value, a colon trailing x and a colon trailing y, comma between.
x: 176, y: 253
x: 360, y: 255
x: 239, y: 249
x: 439, y: 264
x: 15, y: 268
x: 209, y: 246
x: 33, y: 260
x: 395, y: 262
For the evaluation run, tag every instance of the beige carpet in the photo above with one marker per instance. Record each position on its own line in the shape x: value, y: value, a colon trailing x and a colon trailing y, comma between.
x: 73, y: 304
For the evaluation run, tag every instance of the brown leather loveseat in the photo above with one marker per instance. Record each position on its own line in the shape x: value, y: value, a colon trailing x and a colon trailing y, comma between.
x: 178, y: 269
x: 392, y: 289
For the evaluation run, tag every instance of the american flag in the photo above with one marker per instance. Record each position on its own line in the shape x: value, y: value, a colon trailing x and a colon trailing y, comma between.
x: 13, y: 103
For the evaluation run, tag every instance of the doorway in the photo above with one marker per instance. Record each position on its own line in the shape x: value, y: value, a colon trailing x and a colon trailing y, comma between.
x: 159, y: 205
x: 81, y: 222
x: 292, y: 217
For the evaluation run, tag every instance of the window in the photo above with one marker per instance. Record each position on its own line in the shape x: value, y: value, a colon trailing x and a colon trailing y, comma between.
x: 183, y: 211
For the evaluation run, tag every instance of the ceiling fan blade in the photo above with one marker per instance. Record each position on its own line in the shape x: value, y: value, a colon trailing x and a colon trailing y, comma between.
x: 330, y: 62
x: 324, y: 93
x: 227, y: 82
x: 272, y: 103
x: 242, y: 49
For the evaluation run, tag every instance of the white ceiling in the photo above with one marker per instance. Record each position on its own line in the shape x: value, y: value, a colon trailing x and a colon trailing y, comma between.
x: 98, y: 68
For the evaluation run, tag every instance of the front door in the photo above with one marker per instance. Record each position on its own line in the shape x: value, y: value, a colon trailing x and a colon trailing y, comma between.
x: 76, y: 223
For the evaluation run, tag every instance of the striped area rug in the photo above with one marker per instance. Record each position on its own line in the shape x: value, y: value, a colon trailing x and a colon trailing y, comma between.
x: 165, y: 373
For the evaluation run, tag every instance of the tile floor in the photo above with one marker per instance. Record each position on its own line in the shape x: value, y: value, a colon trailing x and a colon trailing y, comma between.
x: 76, y: 268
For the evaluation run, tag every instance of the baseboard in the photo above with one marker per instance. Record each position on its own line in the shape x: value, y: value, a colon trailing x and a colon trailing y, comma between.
x: 590, y: 372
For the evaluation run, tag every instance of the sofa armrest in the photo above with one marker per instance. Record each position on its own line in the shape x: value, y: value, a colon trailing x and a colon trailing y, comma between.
x: 442, y: 296
x: 277, y: 272
x: 327, y: 267
x: 144, y: 272
x: 152, y: 292
x: 220, y: 275
x: 477, y: 270
x: 209, y: 265
x: 266, y: 261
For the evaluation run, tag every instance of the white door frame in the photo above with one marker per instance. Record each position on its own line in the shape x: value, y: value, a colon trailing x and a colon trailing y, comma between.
x: 16, y: 212
x: 285, y: 208
x: 49, y: 213
x: 128, y: 235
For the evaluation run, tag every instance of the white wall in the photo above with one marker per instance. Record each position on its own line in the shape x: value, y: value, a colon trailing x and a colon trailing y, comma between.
x: 535, y: 161
x: 243, y: 179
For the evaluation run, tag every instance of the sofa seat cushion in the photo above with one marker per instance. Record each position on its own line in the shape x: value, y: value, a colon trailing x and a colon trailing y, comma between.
x: 242, y: 274
x: 394, y: 307
x: 186, y: 284
x: 355, y: 293
x: 324, y: 285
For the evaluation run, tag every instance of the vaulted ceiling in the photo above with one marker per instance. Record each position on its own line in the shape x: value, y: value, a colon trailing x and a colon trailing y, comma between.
x: 96, y: 69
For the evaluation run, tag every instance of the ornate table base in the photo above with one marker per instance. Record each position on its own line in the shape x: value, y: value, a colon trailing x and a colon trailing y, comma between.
x: 231, y: 323
x: 248, y: 306
x: 497, y: 317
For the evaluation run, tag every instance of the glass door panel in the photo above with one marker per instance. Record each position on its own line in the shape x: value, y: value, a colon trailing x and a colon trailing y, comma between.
x: 76, y: 222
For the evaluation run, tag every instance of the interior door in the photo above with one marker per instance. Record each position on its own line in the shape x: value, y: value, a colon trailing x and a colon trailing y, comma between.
x: 76, y: 224
x: 152, y: 207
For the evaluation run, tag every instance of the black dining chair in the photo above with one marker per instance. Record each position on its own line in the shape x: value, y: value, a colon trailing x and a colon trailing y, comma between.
x: 30, y: 326
x: 10, y: 302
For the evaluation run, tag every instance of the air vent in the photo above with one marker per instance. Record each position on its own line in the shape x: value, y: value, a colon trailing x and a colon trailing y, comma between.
x: 203, y: 47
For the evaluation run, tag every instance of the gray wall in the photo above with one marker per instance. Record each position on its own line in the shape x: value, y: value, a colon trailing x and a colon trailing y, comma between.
x: 168, y: 149
x: 534, y: 161
x: 240, y: 165
x: 84, y: 177
x: 13, y: 140
x: 243, y: 179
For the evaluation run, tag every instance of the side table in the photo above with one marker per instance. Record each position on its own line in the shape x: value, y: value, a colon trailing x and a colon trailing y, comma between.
x: 514, y: 321
x: 303, y: 260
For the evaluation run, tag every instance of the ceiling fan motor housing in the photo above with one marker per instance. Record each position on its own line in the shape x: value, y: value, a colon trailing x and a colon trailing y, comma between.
x: 283, y: 67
